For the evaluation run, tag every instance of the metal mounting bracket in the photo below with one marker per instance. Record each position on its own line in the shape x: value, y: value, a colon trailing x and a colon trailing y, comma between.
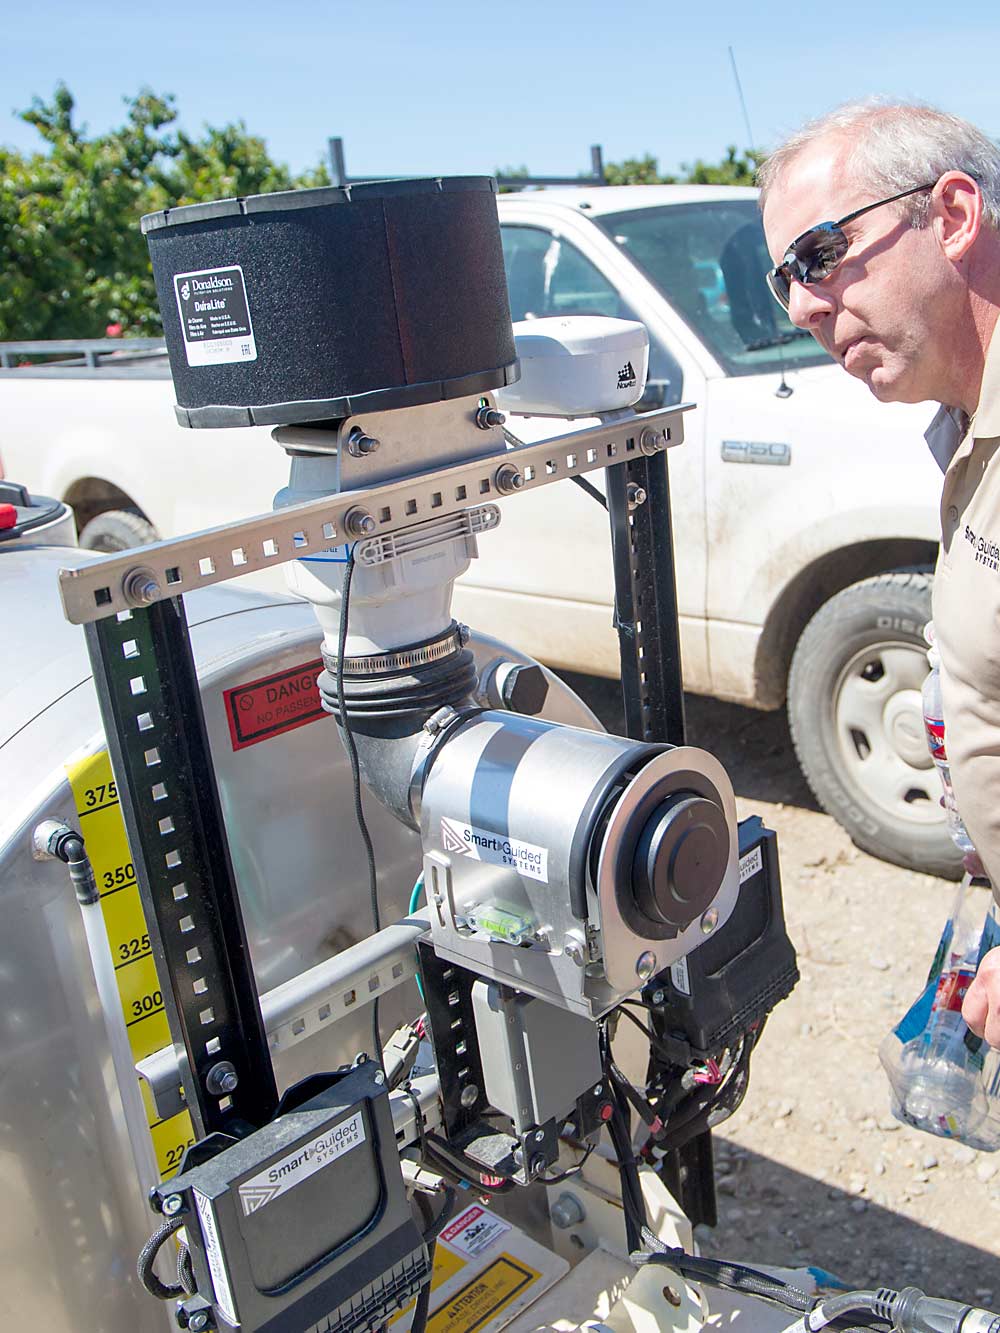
x: 143, y: 576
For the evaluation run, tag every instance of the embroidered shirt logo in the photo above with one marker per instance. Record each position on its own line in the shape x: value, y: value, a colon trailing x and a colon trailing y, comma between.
x: 985, y: 551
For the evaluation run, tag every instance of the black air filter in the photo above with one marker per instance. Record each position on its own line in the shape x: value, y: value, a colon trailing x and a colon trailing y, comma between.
x: 314, y: 304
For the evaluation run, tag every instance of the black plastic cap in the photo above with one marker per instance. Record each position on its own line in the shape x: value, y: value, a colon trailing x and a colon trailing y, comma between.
x: 525, y: 689
x: 681, y: 859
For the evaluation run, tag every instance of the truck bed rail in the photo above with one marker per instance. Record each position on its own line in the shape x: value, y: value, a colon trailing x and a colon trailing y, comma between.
x: 57, y: 354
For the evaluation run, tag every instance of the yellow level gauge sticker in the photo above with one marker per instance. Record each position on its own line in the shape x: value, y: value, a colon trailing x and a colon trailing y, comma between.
x: 483, y: 1297
x: 96, y: 797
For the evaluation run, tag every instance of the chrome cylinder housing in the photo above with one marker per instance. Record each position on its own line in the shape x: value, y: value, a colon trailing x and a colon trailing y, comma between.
x: 573, y: 865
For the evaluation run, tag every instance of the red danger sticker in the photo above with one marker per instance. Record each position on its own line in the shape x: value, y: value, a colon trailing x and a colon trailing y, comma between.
x: 265, y: 708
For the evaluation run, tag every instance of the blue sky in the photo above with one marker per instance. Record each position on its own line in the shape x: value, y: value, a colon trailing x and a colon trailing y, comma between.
x: 445, y: 87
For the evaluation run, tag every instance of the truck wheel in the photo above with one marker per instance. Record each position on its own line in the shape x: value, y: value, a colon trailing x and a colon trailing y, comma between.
x: 118, y: 530
x: 856, y: 719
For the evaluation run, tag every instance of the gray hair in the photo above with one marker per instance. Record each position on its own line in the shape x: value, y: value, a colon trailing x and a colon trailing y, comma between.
x: 894, y: 145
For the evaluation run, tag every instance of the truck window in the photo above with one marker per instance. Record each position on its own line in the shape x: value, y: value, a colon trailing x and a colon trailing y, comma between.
x: 547, y: 275
x: 709, y: 260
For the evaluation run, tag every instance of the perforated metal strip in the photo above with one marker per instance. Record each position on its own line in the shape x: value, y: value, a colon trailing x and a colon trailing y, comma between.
x: 151, y: 707
x: 148, y: 573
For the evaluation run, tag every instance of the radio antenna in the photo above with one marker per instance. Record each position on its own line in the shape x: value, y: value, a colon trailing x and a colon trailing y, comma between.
x: 743, y: 105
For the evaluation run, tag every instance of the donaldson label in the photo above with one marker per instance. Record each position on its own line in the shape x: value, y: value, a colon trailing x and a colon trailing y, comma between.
x: 302, y: 1162
x: 215, y: 316
x: 482, y: 845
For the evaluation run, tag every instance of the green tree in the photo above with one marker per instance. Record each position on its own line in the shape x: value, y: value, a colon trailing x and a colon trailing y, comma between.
x: 72, y: 258
x: 636, y: 171
x: 734, y: 169
x: 512, y: 173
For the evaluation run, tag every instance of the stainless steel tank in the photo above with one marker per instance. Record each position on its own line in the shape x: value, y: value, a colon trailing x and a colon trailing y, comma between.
x: 72, y: 1210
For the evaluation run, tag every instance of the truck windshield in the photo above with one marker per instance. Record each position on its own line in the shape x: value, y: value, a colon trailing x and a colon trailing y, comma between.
x: 709, y: 261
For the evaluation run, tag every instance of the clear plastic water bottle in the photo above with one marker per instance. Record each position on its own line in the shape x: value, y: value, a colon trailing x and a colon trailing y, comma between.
x: 944, y: 1079
x: 934, y: 730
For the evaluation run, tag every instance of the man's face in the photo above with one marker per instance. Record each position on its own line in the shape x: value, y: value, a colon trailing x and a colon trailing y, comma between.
x: 884, y: 311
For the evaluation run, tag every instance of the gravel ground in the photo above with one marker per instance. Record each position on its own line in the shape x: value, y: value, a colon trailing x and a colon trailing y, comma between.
x: 812, y: 1169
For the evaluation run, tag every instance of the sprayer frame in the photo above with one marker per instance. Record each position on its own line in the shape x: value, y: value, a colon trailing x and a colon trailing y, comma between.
x: 130, y: 587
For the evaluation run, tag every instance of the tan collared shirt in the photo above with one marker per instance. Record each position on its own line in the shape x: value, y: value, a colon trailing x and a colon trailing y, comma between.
x: 966, y: 605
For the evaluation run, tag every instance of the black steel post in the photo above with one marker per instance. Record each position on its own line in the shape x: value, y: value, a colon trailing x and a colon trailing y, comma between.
x: 652, y: 688
x: 646, y: 599
x: 151, y: 706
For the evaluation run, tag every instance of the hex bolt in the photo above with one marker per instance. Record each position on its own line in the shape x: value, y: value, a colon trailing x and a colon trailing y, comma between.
x: 488, y: 417
x: 567, y: 1211
x: 573, y: 950
x: 172, y: 1205
x: 508, y: 479
x: 645, y: 965
x: 140, y: 587
x: 359, y: 523
x: 359, y: 445
x: 222, y: 1079
x: 470, y: 1095
x: 636, y: 495
x: 710, y: 920
x: 652, y: 441
x: 536, y: 1165
x: 198, y: 1321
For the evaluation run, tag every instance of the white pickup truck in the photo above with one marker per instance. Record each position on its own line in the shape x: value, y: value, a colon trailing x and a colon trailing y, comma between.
x: 805, y: 513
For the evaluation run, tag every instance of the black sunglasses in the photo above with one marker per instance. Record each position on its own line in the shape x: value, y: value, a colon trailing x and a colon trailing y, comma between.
x: 814, y: 255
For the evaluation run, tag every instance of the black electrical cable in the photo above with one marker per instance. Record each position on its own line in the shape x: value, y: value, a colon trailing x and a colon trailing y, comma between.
x: 432, y: 1229
x: 582, y: 482
x: 185, y: 1270
x: 352, y: 755
x: 463, y: 1168
x: 730, y: 1277
x: 418, y: 1117
x: 591, y: 490
x: 700, y: 1110
x: 163, y: 1291
x: 650, y: 1036
x: 570, y: 1172
x: 636, y: 1224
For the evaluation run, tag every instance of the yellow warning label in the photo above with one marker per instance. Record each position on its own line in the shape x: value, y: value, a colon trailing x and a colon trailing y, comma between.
x: 96, y: 799
x: 479, y: 1300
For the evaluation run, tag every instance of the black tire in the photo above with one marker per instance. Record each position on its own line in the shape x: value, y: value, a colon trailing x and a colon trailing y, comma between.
x: 118, y: 530
x: 856, y: 723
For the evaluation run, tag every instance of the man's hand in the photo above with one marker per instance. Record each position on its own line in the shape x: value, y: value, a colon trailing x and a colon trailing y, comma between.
x: 981, y: 1008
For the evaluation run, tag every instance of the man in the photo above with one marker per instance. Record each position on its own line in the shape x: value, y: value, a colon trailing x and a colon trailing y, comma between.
x: 883, y: 222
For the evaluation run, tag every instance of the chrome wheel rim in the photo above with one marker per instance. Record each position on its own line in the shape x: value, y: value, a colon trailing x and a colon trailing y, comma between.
x: 878, y: 717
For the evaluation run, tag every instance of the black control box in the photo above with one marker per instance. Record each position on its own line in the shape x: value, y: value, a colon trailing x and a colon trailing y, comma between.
x: 729, y: 984
x: 305, y: 1222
